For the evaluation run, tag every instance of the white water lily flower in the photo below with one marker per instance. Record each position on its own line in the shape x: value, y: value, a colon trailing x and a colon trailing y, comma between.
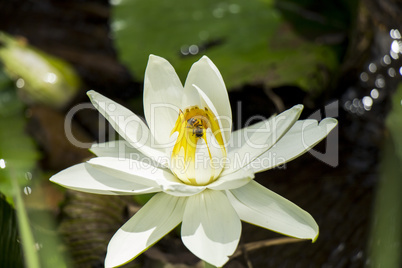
x: 201, y: 171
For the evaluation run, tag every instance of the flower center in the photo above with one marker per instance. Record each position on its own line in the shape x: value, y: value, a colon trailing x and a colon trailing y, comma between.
x: 199, y: 148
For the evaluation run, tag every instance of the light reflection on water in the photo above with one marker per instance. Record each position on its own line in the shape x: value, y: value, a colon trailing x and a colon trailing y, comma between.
x: 395, y: 34
x: 386, y: 60
x: 50, y: 78
x: 380, y: 82
x: 234, y: 8
x: 396, y: 46
x: 20, y: 83
x: 367, y: 103
x: 223, y: 8
x: 372, y: 67
x: 2, y: 163
x: 38, y: 246
x: 394, y: 55
x: 28, y: 176
x: 118, y: 25
x: 189, y: 50
x: 218, y: 12
x: 27, y: 190
x: 374, y: 93
x: 391, y: 72
x: 376, y: 78
x: 364, y: 77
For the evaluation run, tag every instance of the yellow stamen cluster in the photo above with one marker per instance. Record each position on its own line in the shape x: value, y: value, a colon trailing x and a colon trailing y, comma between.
x: 193, y: 125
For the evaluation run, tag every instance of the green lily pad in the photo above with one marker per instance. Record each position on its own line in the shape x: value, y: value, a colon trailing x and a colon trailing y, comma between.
x: 249, y: 41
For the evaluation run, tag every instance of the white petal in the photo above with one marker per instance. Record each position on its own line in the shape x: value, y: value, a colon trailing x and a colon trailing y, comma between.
x: 207, y: 77
x: 218, y: 156
x: 257, y: 205
x: 258, y: 138
x: 127, y: 124
x: 146, y: 174
x: 85, y: 178
x: 181, y: 189
x: 118, y: 148
x: 303, y: 135
x: 191, y: 97
x: 240, y: 136
x: 202, y: 166
x: 207, y: 163
x: 233, y: 180
x: 122, y: 150
x: 163, y: 93
x: 153, y: 221
x: 223, y: 128
x: 211, y: 228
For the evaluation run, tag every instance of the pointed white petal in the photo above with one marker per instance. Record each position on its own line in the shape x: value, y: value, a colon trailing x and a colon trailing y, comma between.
x: 191, y: 97
x: 127, y: 124
x: 130, y: 170
x: 146, y: 174
x: 153, y: 221
x: 240, y: 136
x: 85, y: 178
x: 233, y: 180
x: 223, y: 127
x: 123, y: 150
x: 303, y: 136
x: 163, y: 93
x: 258, y: 138
x: 119, y: 149
x: 257, y: 205
x: 211, y: 228
x: 207, y: 77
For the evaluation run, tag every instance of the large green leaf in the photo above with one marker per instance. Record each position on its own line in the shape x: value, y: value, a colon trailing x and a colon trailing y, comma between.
x: 249, y: 41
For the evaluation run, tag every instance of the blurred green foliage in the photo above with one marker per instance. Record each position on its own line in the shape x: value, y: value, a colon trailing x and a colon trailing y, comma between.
x: 41, y: 78
x: 16, y: 147
x: 394, y: 121
x: 249, y: 41
x: 20, y: 154
x: 386, y: 236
